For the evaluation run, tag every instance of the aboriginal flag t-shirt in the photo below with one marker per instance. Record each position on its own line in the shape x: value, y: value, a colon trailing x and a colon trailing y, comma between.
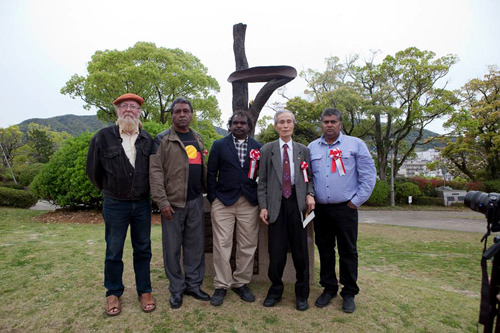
x: 195, y: 164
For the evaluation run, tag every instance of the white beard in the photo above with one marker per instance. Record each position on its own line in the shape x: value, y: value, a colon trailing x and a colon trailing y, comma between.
x: 128, y: 125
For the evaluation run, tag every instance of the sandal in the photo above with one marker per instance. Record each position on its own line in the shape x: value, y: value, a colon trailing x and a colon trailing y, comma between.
x: 148, y: 302
x: 113, y: 306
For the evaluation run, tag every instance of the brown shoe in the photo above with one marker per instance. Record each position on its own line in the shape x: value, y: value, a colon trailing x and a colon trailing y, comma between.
x: 113, y: 306
x: 148, y: 302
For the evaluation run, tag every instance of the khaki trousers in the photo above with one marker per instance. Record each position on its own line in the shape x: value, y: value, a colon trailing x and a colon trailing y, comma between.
x: 224, y: 218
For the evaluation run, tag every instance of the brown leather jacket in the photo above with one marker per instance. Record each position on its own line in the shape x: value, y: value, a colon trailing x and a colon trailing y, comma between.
x: 169, y: 169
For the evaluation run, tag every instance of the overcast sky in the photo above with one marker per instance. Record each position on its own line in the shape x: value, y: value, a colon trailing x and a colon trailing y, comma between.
x: 43, y: 43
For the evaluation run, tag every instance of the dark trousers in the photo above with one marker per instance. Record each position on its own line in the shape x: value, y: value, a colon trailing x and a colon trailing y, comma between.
x: 187, y: 231
x: 118, y: 215
x: 337, y: 224
x: 288, y: 231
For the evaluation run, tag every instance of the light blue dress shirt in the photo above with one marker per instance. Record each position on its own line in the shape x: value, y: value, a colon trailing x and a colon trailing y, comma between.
x: 358, y: 182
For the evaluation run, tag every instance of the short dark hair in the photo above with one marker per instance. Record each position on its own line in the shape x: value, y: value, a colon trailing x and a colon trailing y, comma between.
x: 181, y: 100
x: 240, y: 114
x: 331, y: 112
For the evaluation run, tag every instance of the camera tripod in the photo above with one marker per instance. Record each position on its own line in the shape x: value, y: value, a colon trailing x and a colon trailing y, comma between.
x: 490, y: 296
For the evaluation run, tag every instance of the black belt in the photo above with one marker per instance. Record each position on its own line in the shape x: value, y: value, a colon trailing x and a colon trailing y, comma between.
x: 335, y: 204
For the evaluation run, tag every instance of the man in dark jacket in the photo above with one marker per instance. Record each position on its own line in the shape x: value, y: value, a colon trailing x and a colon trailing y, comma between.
x: 118, y: 165
x: 232, y: 190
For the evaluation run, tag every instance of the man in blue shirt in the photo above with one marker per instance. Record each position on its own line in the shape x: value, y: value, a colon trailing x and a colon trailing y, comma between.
x: 344, y: 176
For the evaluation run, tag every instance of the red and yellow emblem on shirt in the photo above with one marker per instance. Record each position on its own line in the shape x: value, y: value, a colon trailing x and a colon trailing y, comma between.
x: 194, y: 155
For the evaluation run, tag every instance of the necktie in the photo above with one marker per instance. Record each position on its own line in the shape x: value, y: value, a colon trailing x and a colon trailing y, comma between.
x: 287, y: 181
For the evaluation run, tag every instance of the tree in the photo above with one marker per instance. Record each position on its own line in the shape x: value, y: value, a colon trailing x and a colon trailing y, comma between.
x: 157, y: 74
x: 473, y: 146
x: 383, y: 103
x: 10, y: 139
x: 306, y: 129
x: 41, y: 143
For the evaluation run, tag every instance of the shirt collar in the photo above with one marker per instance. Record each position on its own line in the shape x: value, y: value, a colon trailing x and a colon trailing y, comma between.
x: 339, y: 139
x: 281, y: 142
x: 238, y: 141
x: 124, y: 133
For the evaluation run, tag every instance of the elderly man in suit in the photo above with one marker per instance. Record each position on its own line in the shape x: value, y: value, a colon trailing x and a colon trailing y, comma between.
x: 285, y: 191
x: 232, y: 190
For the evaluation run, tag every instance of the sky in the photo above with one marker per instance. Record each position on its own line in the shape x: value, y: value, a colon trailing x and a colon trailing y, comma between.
x: 44, y: 43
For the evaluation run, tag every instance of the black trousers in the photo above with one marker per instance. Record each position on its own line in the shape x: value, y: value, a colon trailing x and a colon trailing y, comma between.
x: 288, y: 231
x: 337, y: 224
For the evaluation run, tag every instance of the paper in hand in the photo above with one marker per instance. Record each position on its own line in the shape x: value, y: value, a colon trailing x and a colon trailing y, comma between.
x: 308, y: 219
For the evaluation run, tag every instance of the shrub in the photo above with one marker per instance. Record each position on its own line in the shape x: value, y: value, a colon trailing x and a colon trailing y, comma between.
x: 427, y: 201
x: 380, y: 194
x: 457, y: 184
x: 474, y: 186
x: 63, y: 180
x: 492, y: 186
x: 27, y: 174
x: 403, y: 190
x: 16, y: 198
x: 425, y: 185
x: 14, y: 186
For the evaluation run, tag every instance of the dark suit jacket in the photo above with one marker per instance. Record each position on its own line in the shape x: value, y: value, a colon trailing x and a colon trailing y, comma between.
x: 226, y: 179
x: 269, y: 190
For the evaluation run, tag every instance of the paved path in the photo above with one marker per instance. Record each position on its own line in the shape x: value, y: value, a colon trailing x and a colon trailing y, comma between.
x: 44, y: 205
x: 469, y: 221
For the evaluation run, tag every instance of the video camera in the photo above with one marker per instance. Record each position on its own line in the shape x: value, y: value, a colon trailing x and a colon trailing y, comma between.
x: 486, y: 203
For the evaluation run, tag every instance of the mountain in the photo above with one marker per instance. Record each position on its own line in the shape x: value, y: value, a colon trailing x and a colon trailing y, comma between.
x: 76, y: 125
x: 430, y: 145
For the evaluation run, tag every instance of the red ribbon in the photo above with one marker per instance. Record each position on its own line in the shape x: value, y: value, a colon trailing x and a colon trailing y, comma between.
x: 254, y: 158
x: 304, y: 167
x: 336, y: 156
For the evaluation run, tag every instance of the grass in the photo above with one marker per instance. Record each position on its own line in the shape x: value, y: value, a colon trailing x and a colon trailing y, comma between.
x: 411, y: 280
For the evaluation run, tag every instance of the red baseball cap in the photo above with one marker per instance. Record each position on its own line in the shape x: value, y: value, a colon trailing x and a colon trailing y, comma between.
x: 128, y: 96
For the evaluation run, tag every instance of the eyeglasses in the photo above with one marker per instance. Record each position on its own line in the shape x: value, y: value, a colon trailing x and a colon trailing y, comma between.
x: 126, y: 106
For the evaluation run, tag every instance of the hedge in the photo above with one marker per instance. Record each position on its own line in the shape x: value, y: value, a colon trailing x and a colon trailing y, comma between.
x: 492, y: 186
x: 403, y: 190
x: 427, y: 201
x: 380, y: 195
x: 16, y: 198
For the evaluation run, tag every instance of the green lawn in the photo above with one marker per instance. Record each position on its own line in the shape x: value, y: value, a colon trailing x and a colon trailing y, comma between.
x: 410, y: 279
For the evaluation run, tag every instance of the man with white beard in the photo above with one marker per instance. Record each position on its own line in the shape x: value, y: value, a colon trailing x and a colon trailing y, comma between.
x: 118, y: 165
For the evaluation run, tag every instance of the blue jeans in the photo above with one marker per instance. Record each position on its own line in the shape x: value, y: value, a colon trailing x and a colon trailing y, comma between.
x: 118, y: 214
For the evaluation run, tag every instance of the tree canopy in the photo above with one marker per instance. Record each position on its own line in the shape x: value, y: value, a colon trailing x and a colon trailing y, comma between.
x: 157, y: 74
x: 383, y: 103
x: 473, y: 146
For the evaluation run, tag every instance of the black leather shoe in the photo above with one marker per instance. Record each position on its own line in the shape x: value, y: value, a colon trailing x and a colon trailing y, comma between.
x: 271, y: 301
x: 245, y: 293
x: 198, y: 294
x: 175, y: 301
x: 218, y: 297
x: 324, y: 299
x: 302, y: 305
x: 348, y: 306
